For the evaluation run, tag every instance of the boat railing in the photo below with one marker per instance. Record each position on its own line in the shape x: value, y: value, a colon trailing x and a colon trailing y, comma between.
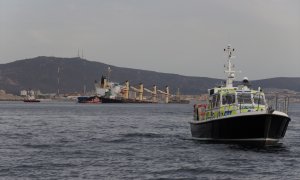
x: 278, y: 103
x: 274, y: 103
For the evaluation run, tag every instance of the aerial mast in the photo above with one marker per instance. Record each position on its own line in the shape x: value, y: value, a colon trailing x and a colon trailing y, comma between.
x: 229, y: 68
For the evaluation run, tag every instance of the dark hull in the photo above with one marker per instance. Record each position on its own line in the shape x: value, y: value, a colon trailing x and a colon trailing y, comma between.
x: 259, y: 129
x: 32, y: 101
x: 89, y: 99
x: 109, y: 100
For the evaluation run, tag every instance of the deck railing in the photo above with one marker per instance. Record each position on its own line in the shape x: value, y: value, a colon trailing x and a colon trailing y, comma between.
x: 273, y: 103
x: 279, y: 103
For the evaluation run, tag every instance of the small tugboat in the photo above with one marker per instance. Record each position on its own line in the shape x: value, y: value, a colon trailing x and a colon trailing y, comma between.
x: 90, y: 99
x: 238, y: 114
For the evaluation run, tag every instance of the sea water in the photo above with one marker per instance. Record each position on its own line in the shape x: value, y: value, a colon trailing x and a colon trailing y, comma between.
x: 55, y: 140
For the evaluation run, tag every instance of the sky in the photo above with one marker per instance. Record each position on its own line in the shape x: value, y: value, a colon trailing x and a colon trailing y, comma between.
x: 184, y: 37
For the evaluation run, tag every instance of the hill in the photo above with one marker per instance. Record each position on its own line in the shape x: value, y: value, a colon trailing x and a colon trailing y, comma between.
x: 291, y: 83
x: 42, y: 73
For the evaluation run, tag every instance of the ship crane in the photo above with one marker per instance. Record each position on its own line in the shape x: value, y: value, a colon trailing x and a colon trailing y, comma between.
x: 125, y: 90
x: 139, y: 90
x: 166, y: 93
x: 153, y: 93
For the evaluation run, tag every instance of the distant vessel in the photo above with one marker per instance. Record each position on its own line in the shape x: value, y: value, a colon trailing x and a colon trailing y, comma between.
x: 116, y: 93
x: 30, y: 97
x: 89, y: 99
x: 94, y: 99
x: 238, y: 114
x: 107, y: 91
x: 113, y: 92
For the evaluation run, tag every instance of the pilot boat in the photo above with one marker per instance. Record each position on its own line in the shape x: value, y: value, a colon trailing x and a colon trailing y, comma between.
x: 238, y: 114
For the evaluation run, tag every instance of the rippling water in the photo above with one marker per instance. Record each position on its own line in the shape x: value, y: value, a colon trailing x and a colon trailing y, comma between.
x: 129, y: 141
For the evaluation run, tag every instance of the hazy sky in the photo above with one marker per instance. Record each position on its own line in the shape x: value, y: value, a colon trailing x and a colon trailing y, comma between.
x: 175, y: 36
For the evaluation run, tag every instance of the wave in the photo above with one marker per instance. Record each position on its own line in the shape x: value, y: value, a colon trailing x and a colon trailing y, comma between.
x: 38, y: 146
x: 127, y: 136
x: 188, y: 172
x: 143, y: 135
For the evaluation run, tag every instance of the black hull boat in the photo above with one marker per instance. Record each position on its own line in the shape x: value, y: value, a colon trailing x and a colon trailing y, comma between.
x: 239, y: 114
x: 255, y: 129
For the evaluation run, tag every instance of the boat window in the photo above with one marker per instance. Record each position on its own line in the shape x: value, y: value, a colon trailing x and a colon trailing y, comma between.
x: 244, y: 98
x: 215, y: 100
x: 259, y: 99
x: 228, y: 99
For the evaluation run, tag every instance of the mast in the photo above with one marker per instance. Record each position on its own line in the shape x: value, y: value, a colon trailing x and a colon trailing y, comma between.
x: 108, y: 73
x: 229, y: 68
x: 178, y: 95
x: 58, y: 80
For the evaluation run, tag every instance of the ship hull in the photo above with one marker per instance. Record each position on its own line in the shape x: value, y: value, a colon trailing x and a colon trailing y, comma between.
x: 31, y: 101
x: 109, y: 100
x: 258, y: 129
x: 89, y: 99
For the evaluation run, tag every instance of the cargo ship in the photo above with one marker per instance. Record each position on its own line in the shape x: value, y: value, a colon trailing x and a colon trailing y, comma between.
x: 112, y: 92
x: 107, y: 91
x: 238, y: 114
